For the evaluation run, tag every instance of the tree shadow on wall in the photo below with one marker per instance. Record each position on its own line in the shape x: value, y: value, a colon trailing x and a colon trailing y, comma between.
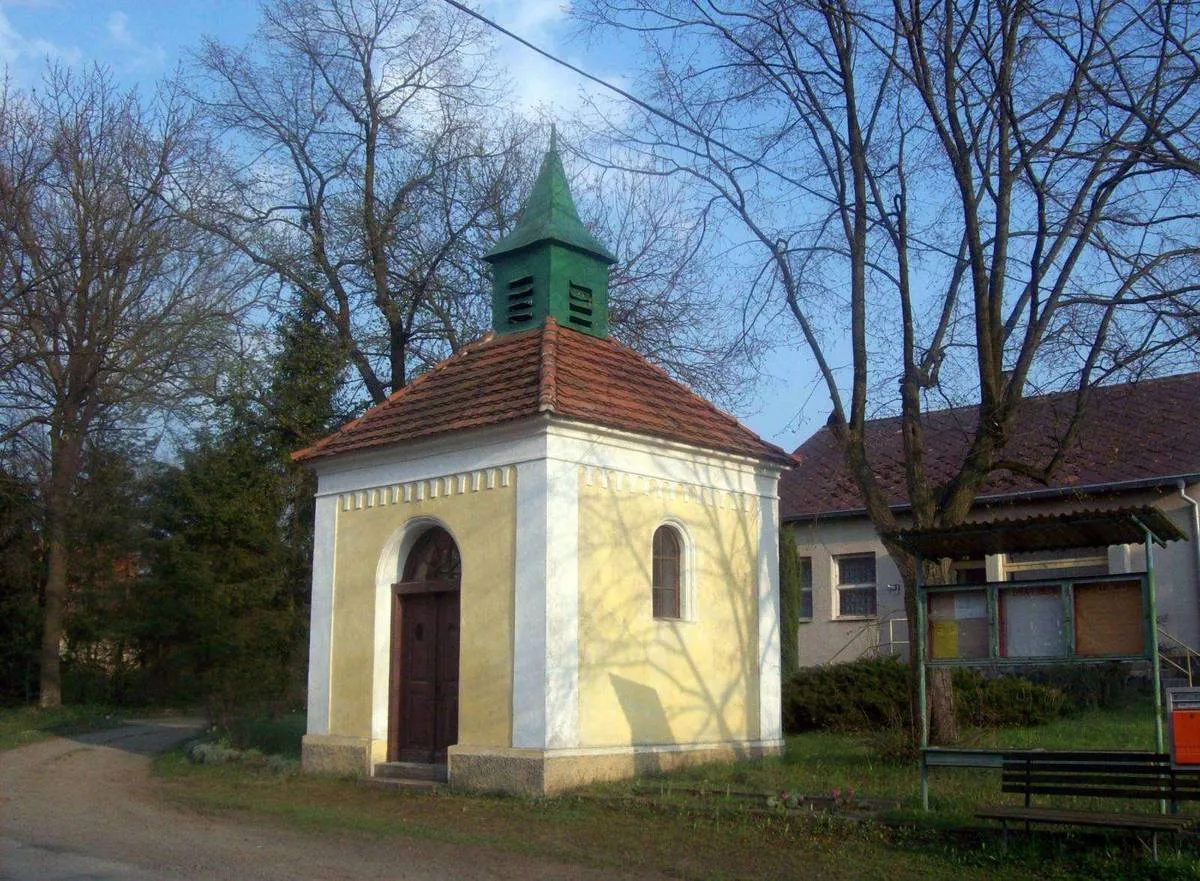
x: 662, y: 671
x: 647, y: 719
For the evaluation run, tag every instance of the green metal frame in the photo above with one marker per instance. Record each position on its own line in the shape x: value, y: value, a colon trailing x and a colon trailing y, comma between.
x: 1150, y: 622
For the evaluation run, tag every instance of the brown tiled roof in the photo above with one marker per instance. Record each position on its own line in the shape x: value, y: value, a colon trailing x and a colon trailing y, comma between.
x: 1131, y: 434
x: 547, y: 370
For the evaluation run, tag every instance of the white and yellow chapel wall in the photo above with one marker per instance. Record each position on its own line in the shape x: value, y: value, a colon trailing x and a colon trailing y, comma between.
x: 565, y: 674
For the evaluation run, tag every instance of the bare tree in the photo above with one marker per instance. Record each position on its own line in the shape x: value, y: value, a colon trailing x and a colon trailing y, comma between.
x: 369, y: 171
x: 374, y: 162
x: 983, y: 197
x: 110, y: 306
x: 669, y: 294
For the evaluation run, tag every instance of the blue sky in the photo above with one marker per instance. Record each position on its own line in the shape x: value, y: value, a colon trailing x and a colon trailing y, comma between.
x: 143, y: 40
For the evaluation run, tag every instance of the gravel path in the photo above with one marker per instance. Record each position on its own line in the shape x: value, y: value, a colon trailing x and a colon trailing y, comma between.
x: 86, y: 808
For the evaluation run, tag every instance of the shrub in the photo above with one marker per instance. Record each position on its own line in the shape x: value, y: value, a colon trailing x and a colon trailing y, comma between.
x: 274, y: 734
x: 1005, y: 701
x: 868, y: 694
x: 873, y: 695
x: 1086, y: 686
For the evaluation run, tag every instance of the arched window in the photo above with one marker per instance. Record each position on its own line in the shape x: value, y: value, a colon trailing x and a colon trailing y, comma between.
x: 434, y: 557
x: 667, y: 572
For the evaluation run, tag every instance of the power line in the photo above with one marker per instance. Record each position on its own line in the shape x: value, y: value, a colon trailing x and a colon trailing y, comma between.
x: 649, y: 108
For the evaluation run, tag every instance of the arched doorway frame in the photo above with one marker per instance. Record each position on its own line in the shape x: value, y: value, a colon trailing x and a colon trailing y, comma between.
x: 388, y: 571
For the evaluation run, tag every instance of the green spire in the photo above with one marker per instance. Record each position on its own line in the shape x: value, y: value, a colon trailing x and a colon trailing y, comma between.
x: 550, y: 264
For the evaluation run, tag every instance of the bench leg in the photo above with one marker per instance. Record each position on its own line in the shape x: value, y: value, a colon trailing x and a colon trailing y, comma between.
x: 1153, y: 848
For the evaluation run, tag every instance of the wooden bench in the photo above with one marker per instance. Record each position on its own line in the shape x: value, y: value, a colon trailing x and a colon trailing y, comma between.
x: 1094, y: 774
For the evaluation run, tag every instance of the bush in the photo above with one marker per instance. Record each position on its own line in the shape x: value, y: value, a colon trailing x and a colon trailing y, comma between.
x: 873, y: 695
x: 868, y: 694
x: 1005, y: 701
x: 1088, y: 686
x: 269, y: 732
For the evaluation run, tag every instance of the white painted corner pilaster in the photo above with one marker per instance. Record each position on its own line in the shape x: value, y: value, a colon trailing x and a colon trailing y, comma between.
x: 562, y: 605
x: 529, y: 607
x: 546, y: 606
x: 320, y: 636
x: 769, y: 698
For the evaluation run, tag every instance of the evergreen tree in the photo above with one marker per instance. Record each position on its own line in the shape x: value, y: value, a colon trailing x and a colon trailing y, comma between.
x: 104, y: 536
x: 224, y: 609
x: 215, y: 620
x: 789, y: 603
x: 22, y: 571
x: 301, y: 406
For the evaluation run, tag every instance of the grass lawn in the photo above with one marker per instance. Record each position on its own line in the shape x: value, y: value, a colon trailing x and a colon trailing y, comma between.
x: 612, y: 825
x: 818, y: 763
x: 22, y: 725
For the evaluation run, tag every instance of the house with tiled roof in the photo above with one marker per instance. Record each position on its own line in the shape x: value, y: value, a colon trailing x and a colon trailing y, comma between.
x: 544, y: 561
x: 1138, y: 443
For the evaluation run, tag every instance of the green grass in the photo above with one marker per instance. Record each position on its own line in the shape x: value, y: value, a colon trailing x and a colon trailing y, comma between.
x: 22, y: 725
x: 614, y: 826
x: 634, y: 837
x: 819, y: 762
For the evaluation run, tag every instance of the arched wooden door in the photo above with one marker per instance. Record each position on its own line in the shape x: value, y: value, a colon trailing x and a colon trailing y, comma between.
x: 423, y: 710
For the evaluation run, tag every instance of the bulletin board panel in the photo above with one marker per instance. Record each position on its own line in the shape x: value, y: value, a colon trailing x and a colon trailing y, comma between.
x: 1097, y: 618
x: 1103, y: 615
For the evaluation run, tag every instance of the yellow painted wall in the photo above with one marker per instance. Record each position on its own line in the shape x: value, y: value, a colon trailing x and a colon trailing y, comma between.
x: 643, y: 681
x: 483, y: 523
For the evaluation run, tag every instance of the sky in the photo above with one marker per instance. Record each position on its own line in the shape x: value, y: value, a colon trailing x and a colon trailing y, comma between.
x: 143, y: 40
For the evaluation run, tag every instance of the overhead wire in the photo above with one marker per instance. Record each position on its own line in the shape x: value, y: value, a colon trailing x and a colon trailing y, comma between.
x: 649, y: 108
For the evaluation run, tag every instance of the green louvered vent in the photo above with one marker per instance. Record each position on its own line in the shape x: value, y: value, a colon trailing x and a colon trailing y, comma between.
x: 580, y: 300
x: 520, y: 301
x: 549, y: 265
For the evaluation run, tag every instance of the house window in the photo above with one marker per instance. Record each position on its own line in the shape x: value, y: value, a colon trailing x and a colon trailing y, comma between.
x: 855, y: 585
x: 667, y: 571
x: 806, y: 594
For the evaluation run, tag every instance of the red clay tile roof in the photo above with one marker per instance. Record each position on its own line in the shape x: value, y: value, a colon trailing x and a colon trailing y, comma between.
x: 1139, y: 432
x: 551, y: 370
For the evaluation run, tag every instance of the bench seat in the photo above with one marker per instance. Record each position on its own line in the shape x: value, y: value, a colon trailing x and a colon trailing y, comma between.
x: 1094, y: 819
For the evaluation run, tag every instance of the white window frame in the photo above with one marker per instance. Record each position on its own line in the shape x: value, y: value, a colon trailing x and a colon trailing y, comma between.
x: 687, y: 563
x: 839, y: 586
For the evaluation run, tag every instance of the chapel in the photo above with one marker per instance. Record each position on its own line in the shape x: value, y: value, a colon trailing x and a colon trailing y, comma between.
x: 543, y: 562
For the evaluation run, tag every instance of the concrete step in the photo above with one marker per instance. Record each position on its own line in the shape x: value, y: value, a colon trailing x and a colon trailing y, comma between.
x: 399, y: 783
x: 411, y: 771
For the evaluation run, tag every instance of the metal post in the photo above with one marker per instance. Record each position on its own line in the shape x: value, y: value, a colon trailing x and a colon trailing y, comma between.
x: 1151, y: 590
x: 1156, y: 664
x: 918, y: 588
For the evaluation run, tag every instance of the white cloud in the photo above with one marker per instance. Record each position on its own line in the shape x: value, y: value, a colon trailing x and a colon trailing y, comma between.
x: 139, y: 54
x: 18, y: 50
x: 539, y: 82
x: 527, y: 16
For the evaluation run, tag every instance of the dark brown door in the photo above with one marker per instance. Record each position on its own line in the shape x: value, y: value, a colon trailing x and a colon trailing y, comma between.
x: 425, y: 628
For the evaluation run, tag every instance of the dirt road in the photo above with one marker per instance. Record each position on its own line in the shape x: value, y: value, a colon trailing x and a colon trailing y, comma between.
x: 86, y: 808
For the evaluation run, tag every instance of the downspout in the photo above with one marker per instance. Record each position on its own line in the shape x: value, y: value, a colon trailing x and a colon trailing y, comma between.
x: 1195, y: 506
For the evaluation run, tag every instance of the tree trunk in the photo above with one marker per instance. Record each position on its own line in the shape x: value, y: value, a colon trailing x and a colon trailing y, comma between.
x: 50, y: 672
x: 939, y: 685
x: 943, y: 715
x: 64, y: 461
x: 939, y: 682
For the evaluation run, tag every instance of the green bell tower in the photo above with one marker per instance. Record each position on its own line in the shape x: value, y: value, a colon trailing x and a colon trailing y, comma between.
x: 550, y: 264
